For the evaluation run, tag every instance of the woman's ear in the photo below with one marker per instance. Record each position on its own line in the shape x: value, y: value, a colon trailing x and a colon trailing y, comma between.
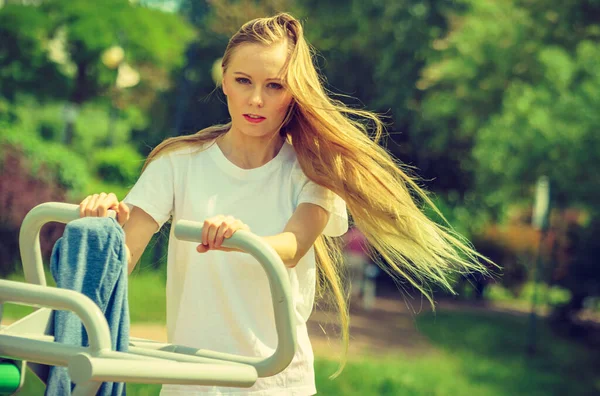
x: 224, y: 86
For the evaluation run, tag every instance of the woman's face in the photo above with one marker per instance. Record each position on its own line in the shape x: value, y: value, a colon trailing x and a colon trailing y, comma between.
x: 256, y: 97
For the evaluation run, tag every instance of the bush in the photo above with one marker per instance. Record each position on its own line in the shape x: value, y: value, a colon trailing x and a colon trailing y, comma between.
x: 120, y: 165
x: 20, y: 191
x: 551, y: 295
x: 93, y: 123
x: 60, y: 165
x: 33, y: 171
x: 94, y: 126
x: 42, y: 120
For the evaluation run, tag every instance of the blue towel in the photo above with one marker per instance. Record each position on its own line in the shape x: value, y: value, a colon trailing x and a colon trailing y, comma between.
x: 90, y: 258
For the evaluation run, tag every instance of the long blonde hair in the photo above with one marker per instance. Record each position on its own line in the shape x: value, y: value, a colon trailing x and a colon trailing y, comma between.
x: 337, y: 147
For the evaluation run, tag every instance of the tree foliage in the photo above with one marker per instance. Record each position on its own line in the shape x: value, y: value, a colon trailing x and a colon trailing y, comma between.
x: 32, y: 172
x: 20, y: 191
x: 513, y: 84
x: 549, y: 128
x: 24, y: 64
x: 69, y: 38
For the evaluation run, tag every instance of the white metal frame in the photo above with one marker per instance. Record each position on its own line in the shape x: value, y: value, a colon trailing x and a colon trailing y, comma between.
x: 147, y: 361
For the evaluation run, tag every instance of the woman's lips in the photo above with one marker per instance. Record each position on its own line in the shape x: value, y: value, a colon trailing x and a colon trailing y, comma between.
x: 255, y: 119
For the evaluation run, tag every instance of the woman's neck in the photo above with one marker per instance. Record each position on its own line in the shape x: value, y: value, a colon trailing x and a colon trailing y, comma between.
x: 249, y: 152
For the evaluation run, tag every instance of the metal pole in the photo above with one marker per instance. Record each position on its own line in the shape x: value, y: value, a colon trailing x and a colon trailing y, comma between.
x: 539, y: 220
x: 531, y: 345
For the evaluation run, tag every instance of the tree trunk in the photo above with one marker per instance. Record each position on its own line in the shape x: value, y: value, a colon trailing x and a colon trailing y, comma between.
x: 78, y: 96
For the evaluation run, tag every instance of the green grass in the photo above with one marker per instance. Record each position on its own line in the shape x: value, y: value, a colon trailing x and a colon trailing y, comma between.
x: 146, y: 297
x: 477, y: 353
x: 489, y: 350
x: 147, y: 302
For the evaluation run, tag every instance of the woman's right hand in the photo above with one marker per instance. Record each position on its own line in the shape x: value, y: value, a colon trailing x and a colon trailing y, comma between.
x: 98, y: 205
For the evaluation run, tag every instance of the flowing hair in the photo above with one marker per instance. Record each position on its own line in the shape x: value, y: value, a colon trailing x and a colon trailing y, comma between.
x: 337, y: 147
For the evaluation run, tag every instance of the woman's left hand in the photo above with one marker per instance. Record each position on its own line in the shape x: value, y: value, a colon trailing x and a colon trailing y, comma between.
x: 216, y: 229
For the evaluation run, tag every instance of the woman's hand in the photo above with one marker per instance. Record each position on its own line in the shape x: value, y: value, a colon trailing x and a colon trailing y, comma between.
x: 216, y: 229
x: 98, y: 205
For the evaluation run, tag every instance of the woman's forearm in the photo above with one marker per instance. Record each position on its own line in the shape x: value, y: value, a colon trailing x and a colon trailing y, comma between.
x: 287, y: 247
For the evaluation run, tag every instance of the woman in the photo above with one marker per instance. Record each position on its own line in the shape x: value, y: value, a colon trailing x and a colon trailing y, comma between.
x: 288, y: 166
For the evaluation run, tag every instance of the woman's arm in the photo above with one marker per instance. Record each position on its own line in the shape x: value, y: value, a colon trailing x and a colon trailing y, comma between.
x: 300, y: 233
x: 138, y: 225
x: 139, y: 229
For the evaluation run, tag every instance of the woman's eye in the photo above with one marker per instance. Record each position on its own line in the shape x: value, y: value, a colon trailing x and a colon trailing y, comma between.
x: 242, y: 80
x: 275, y: 86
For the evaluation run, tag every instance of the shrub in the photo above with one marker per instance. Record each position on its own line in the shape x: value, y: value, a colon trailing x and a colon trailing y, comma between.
x: 33, y: 171
x: 120, y: 165
x: 20, y: 191
x: 60, y: 165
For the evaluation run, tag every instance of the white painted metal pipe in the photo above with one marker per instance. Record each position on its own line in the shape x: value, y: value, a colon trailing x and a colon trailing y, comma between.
x: 84, y: 368
x: 280, y: 294
x: 90, y: 314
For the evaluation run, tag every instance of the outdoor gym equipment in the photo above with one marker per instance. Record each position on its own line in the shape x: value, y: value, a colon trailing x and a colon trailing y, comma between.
x: 27, y: 341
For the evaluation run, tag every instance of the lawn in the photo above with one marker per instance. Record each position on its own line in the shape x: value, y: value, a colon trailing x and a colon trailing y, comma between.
x: 476, y: 353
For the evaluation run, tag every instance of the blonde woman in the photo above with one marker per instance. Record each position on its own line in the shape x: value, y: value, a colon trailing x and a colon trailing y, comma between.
x: 289, y: 167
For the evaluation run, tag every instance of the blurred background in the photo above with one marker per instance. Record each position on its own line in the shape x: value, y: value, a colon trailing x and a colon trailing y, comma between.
x: 496, y: 103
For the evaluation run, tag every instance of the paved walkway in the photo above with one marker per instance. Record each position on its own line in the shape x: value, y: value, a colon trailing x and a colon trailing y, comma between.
x: 389, y: 327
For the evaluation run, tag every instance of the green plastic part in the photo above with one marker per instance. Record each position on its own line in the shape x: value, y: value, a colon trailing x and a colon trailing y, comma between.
x: 10, y: 378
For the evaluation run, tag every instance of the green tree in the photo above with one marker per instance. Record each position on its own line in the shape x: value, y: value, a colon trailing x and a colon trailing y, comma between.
x: 513, y: 84
x: 549, y: 128
x: 24, y: 64
x: 76, y: 34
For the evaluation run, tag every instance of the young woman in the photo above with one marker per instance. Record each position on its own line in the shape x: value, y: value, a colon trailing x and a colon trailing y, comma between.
x: 289, y: 167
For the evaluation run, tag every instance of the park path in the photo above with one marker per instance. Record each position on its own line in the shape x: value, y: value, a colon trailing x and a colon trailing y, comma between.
x: 388, y: 328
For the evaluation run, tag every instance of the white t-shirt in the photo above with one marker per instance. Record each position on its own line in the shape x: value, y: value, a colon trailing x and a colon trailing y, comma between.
x: 221, y: 301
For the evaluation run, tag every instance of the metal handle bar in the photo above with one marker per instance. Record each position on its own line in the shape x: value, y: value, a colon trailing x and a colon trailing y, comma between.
x: 84, y: 368
x: 280, y: 294
x: 90, y: 314
x: 31, y: 257
x: 29, y: 235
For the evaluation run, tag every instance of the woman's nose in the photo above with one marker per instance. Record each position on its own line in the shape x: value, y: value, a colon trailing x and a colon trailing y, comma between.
x: 256, y: 98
